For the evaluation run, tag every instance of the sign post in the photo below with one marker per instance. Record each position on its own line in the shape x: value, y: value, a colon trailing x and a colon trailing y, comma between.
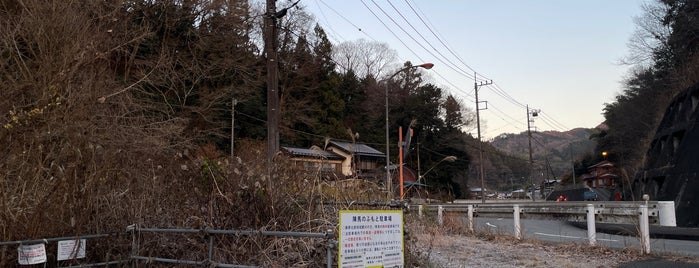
x: 371, y: 238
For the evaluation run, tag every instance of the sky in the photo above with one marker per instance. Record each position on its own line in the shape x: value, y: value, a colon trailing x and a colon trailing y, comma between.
x: 558, y: 57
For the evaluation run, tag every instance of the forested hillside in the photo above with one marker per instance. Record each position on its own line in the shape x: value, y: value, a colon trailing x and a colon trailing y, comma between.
x: 121, y: 112
x: 663, y: 53
x: 553, y: 152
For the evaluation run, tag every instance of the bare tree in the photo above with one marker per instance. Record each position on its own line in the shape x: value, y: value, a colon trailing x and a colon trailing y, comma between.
x: 364, y: 57
x: 650, y: 36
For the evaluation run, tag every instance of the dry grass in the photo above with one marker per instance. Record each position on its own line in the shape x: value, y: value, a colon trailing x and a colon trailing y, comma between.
x: 440, y: 248
x: 452, y: 245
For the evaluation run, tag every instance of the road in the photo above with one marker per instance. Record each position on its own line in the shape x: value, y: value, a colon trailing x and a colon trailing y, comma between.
x: 559, y: 231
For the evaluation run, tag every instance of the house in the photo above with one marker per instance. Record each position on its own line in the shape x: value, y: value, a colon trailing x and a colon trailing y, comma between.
x: 360, y: 159
x: 315, y: 159
x: 602, y: 175
x: 340, y: 159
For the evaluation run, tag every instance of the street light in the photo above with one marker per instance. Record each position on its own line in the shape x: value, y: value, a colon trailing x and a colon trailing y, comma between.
x: 449, y: 158
x: 389, y: 184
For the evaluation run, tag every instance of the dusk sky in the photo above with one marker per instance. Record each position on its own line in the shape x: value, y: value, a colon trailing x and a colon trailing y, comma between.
x: 561, y: 57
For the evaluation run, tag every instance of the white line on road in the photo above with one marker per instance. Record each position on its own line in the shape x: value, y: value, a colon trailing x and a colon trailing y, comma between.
x: 574, y: 237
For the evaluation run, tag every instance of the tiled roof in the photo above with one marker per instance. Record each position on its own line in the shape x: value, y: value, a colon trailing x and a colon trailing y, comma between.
x: 357, y: 148
x: 312, y: 153
x: 603, y: 163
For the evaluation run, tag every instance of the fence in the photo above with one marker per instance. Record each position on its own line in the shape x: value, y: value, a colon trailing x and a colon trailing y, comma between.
x: 641, y: 213
x: 135, y: 232
x: 64, y: 254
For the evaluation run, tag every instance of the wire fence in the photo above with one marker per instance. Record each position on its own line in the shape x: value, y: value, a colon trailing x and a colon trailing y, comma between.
x: 143, y: 248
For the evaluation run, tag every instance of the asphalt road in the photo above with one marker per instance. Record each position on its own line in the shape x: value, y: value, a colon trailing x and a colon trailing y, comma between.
x: 564, y: 232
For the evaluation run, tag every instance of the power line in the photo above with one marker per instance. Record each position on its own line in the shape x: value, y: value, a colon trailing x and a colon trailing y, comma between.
x: 394, y: 34
x: 502, y: 93
x: 411, y: 37
x: 505, y: 114
x: 328, y: 22
x: 348, y: 21
x: 554, y: 120
x: 426, y: 41
x: 424, y: 19
x: 440, y: 39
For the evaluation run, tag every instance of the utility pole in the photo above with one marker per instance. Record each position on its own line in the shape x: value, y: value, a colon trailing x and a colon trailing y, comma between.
x: 534, y: 113
x: 270, y: 23
x: 478, y: 124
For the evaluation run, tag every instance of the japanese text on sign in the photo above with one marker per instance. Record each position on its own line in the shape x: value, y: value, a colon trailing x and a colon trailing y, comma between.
x: 371, y: 238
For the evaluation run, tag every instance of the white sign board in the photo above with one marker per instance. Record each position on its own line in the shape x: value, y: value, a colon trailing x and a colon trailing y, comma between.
x: 31, y: 254
x: 371, y: 238
x: 71, y: 249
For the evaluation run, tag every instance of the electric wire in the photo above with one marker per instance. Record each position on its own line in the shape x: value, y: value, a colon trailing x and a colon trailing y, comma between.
x: 438, y: 37
x: 394, y: 34
x: 327, y: 22
x: 554, y: 125
x: 446, y: 63
x: 347, y: 20
x: 405, y: 45
x: 502, y: 93
x: 506, y: 114
x: 426, y: 41
x: 561, y: 126
x: 301, y: 131
x: 494, y: 87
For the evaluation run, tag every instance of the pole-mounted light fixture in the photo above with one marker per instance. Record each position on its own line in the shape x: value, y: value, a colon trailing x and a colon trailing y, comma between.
x: 389, y: 183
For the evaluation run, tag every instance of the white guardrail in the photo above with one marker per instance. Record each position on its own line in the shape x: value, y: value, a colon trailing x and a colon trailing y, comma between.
x: 642, y: 213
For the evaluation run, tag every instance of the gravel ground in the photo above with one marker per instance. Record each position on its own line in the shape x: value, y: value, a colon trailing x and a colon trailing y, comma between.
x: 454, y: 251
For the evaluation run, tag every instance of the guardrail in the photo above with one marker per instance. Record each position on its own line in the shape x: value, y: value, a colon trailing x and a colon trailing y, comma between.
x: 641, y: 213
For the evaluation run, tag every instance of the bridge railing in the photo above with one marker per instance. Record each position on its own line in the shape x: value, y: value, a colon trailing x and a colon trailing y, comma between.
x: 642, y: 214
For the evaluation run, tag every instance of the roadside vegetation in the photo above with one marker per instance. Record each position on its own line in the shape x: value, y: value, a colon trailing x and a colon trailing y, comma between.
x: 116, y: 113
x: 664, y: 60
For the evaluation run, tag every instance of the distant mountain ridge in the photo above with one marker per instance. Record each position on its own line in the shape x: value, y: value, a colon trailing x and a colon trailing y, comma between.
x: 558, y: 149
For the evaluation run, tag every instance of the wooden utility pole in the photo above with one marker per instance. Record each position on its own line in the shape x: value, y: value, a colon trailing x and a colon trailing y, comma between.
x: 270, y: 23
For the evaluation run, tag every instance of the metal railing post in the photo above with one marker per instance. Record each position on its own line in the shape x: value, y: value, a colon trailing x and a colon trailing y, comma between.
x: 440, y: 215
x: 132, y: 228
x: 329, y: 249
x: 518, y: 228
x: 211, y: 248
x: 644, y: 229
x: 419, y: 210
x: 591, y: 228
x: 470, y: 218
